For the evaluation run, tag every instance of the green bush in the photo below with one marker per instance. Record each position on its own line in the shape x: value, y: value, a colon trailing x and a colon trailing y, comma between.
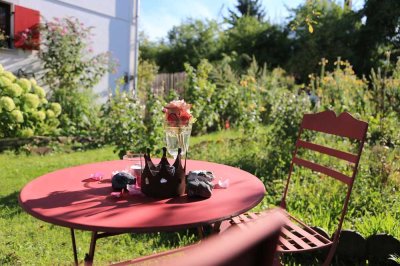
x: 71, y: 71
x: 24, y: 110
x: 130, y: 125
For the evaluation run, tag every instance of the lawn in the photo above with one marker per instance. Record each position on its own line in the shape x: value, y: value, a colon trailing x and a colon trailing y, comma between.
x: 27, y: 240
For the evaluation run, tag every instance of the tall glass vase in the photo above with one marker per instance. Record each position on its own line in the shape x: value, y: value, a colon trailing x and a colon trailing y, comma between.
x: 177, y: 137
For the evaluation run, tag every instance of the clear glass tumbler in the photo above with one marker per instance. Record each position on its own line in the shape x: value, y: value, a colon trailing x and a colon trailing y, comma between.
x: 135, y: 166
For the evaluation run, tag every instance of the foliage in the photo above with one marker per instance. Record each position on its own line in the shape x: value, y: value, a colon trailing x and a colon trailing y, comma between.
x: 307, y: 15
x: 147, y: 71
x: 341, y: 90
x: 267, y: 152
x: 28, y: 39
x: 153, y: 121
x: 3, y: 39
x: 187, y: 43
x: 71, y: 71
x: 122, y: 122
x: 379, y: 34
x: 328, y: 39
x: 249, y: 8
x: 24, y: 109
x: 130, y: 125
x: 316, y: 29
x: 200, y: 92
x: 250, y: 37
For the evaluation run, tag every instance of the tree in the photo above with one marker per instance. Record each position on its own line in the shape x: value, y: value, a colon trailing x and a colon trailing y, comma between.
x: 334, y: 35
x: 252, y: 38
x: 251, y: 8
x: 189, y: 42
x: 380, y: 33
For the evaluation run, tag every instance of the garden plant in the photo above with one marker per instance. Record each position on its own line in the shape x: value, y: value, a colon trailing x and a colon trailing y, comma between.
x: 249, y: 85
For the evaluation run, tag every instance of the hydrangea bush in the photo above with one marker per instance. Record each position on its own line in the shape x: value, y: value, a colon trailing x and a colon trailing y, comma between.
x: 24, y: 109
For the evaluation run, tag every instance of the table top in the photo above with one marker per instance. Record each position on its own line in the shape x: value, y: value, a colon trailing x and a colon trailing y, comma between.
x: 63, y: 198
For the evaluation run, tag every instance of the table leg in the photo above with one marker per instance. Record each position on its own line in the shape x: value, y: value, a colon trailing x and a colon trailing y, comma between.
x: 74, y: 246
x: 89, y: 257
x: 200, y: 232
x: 216, y: 228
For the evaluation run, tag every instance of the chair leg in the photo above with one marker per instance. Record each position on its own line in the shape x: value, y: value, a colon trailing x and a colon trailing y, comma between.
x: 277, y: 260
x: 200, y: 232
x: 331, y: 253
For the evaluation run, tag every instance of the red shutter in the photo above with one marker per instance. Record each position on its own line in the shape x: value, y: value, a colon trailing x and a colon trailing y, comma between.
x: 26, y: 28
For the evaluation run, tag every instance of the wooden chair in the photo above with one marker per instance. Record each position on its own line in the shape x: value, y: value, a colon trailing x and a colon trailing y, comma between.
x: 297, y: 236
x: 251, y: 247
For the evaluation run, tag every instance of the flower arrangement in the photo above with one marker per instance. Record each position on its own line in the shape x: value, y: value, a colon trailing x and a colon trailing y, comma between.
x: 28, y: 38
x: 178, y: 126
x: 177, y: 113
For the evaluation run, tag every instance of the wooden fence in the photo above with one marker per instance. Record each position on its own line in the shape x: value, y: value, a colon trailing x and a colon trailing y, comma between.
x: 165, y: 82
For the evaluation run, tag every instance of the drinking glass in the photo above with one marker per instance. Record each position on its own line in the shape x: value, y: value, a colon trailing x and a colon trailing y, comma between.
x: 135, y: 165
x: 177, y: 137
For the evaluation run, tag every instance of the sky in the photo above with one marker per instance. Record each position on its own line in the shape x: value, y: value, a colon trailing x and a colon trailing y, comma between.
x: 157, y: 17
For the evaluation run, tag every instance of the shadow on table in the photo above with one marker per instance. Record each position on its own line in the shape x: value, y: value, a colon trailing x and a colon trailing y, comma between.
x: 98, y: 200
x: 183, y: 199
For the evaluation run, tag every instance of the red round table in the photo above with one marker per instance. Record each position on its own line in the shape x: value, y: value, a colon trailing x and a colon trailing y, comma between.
x: 64, y: 198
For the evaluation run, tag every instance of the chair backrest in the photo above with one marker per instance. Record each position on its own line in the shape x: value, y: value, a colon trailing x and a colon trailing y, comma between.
x: 255, y: 245
x: 344, y: 126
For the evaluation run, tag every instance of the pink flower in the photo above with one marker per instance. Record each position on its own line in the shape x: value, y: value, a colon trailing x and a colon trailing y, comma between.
x: 177, y: 113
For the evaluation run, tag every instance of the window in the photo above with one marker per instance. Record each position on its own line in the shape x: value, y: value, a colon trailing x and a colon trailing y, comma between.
x: 5, y: 25
x: 26, y: 28
x: 20, y: 28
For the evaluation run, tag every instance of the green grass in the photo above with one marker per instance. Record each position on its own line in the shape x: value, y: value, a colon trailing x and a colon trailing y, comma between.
x: 25, y: 240
x: 374, y: 207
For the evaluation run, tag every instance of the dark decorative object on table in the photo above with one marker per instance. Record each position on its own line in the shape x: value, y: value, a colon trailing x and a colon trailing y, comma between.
x: 120, y: 180
x: 163, y: 180
x: 199, y: 184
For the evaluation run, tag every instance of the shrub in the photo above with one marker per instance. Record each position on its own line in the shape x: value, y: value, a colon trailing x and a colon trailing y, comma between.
x: 24, y: 110
x: 71, y: 71
x: 200, y: 93
x: 130, y: 125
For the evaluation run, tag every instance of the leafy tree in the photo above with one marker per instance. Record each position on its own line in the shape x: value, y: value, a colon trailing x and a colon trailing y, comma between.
x: 334, y: 35
x: 250, y: 37
x: 380, y: 33
x: 250, y: 8
x: 189, y: 42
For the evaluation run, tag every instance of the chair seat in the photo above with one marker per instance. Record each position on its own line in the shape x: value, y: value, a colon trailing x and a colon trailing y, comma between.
x: 295, y: 235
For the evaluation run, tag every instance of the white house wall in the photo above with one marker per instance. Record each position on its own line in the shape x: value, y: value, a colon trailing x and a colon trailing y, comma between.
x: 112, y: 22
